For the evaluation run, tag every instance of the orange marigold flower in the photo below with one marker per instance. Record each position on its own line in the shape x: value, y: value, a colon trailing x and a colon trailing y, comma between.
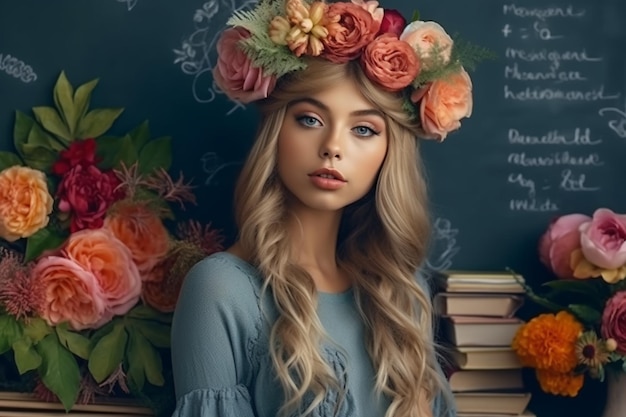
x: 548, y: 342
x: 560, y: 383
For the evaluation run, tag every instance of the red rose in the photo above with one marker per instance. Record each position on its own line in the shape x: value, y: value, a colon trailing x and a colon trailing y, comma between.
x: 80, y: 152
x: 393, y: 22
x: 86, y: 193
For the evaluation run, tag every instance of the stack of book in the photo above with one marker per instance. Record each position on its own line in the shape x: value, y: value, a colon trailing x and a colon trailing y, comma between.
x: 18, y: 404
x: 477, y: 315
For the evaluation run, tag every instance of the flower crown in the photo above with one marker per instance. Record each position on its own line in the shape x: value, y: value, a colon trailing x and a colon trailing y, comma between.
x: 420, y: 59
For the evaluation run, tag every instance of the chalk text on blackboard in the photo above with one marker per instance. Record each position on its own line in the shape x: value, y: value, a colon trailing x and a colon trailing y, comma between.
x: 523, y: 182
x: 17, y: 68
x: 542, y: 13
x: 555, y: 159
x: 575, y: 182
x: 533, y: 204
x: 513, y: 72
x: 618, y: 123
x: 539, y: 93
x: 554, y: 57
x: 554, y: 137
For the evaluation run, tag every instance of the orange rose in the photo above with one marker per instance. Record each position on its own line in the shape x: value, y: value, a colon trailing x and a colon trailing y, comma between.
x: 109, y: 260
x: 428, y: 38
x: 354, y: 28
x: 390, y: 62
x: 444, y: 102
x: 141, y: 230
x: 70, y: 293
x: 24, y: 202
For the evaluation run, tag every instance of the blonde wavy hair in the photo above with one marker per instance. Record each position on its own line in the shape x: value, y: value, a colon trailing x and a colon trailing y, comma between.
x: 382, y: 242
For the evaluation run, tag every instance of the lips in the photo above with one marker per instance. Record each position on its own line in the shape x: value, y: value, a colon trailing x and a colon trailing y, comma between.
x: 328, y: 173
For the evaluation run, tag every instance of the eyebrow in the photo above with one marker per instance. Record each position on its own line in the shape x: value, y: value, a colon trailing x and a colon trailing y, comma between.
x: 319, y: 104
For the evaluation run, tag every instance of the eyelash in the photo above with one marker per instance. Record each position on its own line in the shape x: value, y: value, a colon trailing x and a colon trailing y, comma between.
x: 302, y: 119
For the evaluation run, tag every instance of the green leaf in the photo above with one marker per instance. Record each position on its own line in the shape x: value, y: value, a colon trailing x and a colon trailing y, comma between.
x: 82, y: 97
x: 143, y: 311
x: 52, y: 122
x: 21, y: 129
x: 63, y: 94
x: 36, y: 329
x: 74, y: 342
x: 157, y: 153
x: 10, y: 331
x: 37, y: 157
x: 39, y: 137
x: 59, y: 370
x: 144, y: 361
x: 96, y: 122
x: 416, y: 16
x: 140, y: 135
x: 9, y: 159
x: 586, y: 314
x: 157, y: 333
x: 26, y: 357
x: 41, y: 241
x: 114, y: 150
x: 108, y: 353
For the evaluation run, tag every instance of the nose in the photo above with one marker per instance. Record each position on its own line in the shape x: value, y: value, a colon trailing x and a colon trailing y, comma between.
x: 331, y: 146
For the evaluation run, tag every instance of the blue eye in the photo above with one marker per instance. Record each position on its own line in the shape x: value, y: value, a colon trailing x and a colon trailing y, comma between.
x: 364, y: 131
x: 308, y: 121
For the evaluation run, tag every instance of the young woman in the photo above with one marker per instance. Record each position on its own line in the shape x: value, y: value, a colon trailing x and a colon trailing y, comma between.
x: 317, y: 309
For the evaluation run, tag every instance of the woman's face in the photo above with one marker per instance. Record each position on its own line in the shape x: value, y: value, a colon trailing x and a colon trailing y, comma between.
x: 330, y: 147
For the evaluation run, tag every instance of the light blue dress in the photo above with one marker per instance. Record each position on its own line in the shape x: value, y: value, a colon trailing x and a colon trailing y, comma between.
x: 220, y: 338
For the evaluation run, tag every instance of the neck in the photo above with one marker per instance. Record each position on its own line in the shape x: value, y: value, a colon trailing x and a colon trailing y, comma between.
x: 314, y: 241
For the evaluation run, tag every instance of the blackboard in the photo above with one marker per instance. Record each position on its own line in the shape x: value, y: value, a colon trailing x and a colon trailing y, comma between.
x: 547, y: 135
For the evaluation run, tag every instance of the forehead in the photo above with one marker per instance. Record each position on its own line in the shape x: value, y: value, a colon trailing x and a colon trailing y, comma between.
x: 343, y: 96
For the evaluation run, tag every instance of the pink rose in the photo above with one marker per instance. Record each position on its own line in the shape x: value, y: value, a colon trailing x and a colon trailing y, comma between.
x: 427, y: 38
x: 390, y: 62
x: 443, y: 103
x: 86, y: 193
x: 235, y: 74
x: 393, y: 22
x: 559, y: 241
x: 354, y: 29
x: 603, y: 239
x: 372, y: 7
x: 110, y: 261
x: 70, y: 293
x: 614, y: 320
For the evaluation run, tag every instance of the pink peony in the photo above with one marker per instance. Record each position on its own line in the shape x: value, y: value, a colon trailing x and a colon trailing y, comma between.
x: 110, y: 261
x: 559, y: 241
x: 603, y: 239
x: 235, y: 74
x: 70, y: 293
x: 614, y: 320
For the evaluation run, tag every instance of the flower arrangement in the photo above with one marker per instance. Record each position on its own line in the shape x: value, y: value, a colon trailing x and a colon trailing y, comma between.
x: 585, y: 332
x: 91, y: 257
x: 418, y: 59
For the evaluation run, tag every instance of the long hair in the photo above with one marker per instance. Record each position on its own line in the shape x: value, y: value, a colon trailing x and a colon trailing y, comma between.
x: 382, y: 242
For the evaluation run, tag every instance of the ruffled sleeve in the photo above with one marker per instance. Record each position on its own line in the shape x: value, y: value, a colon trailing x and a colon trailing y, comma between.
x: 225, y: 402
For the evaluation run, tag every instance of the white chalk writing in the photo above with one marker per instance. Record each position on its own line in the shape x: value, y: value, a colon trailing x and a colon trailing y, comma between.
x: 553, y: 137
x: 618, y: 123
x: 17, y: 68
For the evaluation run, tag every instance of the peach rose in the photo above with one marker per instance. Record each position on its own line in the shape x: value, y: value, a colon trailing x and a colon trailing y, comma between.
x: 235, y: 74
x: 70, y: 293
x: 444, y: 102
x: 372, y: 7
x: 110, y: 261
x: 427, y: 38
x: 390, y: 62
x: 25, y: 202
x: 142, y: 231
x: 347, y: 37
x: 559, y: 241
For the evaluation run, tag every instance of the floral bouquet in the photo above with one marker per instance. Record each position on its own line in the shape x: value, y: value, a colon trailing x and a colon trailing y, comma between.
x: 89, y: 268
x: 586, y: 332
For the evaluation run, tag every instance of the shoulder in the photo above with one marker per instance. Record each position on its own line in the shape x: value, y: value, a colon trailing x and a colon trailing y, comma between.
x: 223, y: 276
